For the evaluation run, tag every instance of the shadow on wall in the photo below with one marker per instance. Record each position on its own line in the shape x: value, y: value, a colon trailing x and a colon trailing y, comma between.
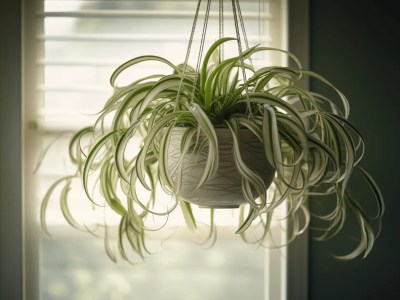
x: 354, y: 45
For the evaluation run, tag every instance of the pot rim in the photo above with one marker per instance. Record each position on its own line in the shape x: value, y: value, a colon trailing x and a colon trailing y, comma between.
x: 215, y: 128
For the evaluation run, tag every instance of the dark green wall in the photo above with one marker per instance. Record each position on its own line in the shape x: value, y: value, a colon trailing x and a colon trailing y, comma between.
x: 355, y: 45
x: 10, y: 154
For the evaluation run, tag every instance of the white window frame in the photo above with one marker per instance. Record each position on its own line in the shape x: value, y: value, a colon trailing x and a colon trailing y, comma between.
x: 13, y: 224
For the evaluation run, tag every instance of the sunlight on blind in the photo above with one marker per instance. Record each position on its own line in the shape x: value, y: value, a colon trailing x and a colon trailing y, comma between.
x: 86, y: 40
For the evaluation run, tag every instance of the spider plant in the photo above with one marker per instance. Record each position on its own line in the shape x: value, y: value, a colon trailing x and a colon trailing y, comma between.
x: 305, y: 138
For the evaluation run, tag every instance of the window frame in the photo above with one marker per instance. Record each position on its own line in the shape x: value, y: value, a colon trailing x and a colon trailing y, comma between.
x: 13, y: 238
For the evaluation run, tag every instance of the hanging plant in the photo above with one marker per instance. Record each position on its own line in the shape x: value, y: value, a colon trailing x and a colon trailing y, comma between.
x: 215, y: 139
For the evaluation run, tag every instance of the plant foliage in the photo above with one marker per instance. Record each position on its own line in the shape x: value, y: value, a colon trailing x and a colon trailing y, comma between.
x: 307, y: 139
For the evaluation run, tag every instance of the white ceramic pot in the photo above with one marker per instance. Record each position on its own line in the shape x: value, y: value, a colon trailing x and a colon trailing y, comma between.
x: 224, y: 189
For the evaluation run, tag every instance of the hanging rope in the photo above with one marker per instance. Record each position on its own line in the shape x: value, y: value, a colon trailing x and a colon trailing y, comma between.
x: 187, y: 53
x: 242, y: 24
x: 238, y: 21
x: 221, y: 28
x: 259, y: 22
x: 239, y: 43
x: 203, y: 36
x: 246, y: 42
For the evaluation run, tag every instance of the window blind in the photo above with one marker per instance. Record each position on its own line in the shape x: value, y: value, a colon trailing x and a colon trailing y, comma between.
x: 84, y: 41
x: 80, y: 43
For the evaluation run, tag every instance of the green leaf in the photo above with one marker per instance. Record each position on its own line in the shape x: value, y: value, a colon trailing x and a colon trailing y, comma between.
x: 376, y: 191
x: 137, y: 60
x: 188, y: 214
x: 91, y: 157
x: 203, y: 74
x: 206, y: 126
x: 249, y: 177
x: 271, y: 140
x: 65, y: 209
x: 252, y: 214
x: 108, y: 182
x: 75, y: 149
x: 46, y: 199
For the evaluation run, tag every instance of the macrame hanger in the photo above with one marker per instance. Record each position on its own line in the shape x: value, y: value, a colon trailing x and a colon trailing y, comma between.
x: 238, y: 21
x: 202, y: 42
x: 259, y: 22
x: 221, y: 28
x: 239, y: 13
x: 185, y: 64
x: 236, y: 12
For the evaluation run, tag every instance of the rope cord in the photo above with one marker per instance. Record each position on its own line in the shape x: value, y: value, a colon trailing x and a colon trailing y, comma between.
x: 203, y: 36
x: 221, y: 28
x: 239, y: 11
x: 239, y: 43
x: 259, y: 21
x: 246, y: 42
x: 187, y: 54
x: 238, y: 19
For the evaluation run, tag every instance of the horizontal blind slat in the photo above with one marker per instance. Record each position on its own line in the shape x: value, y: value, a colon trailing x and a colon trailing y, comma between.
x: 129, y: 38
x: 104, y: 13
x: 82, y: 63
x: 76, y: 88
x: 88, y: 41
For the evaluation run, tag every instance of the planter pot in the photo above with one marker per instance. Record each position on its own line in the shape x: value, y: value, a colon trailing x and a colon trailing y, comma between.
x: 224, y: 189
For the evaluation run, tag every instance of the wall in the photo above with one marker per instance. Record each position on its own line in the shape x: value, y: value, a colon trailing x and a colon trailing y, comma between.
x: 10, y: 159
x: 355, y: 45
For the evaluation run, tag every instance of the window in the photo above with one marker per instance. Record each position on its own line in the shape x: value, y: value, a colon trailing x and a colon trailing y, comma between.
x: 73, y: 48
